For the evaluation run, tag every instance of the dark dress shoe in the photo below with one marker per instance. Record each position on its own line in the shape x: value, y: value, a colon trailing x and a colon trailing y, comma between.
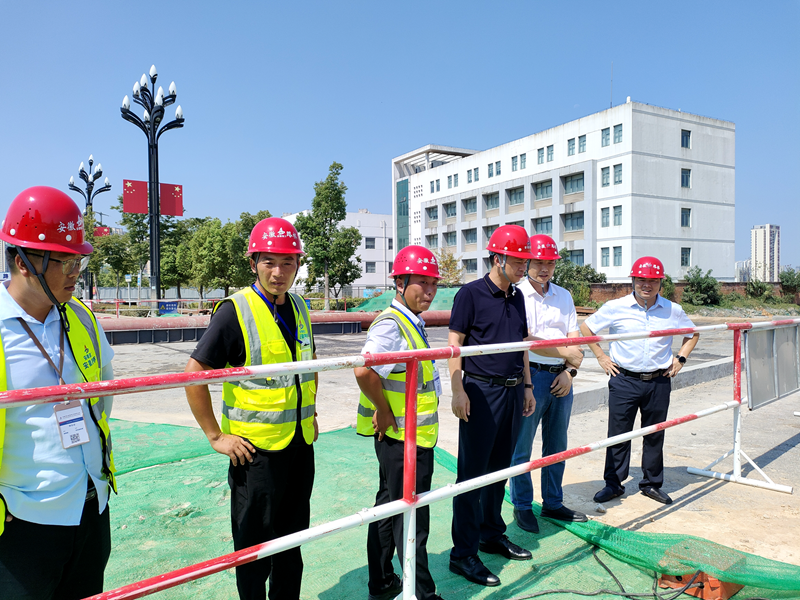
x: 391, y: 592
x: 608, y: 493
x: 657, y: 495
x: 472, y: 569
x: 505, y: 547
x: 526, y: 520
x: 565, y: 514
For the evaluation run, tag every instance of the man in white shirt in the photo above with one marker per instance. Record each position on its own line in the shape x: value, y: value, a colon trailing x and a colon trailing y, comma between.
x: 550, y: 312
x: 640, y: 373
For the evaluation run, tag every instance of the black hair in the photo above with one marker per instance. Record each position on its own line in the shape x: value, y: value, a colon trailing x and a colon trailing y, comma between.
x: 11, y: 255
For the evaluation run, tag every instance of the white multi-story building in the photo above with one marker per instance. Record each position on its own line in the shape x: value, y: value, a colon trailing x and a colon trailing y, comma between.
x: 376, y: 249
x: 630, y: 181
x: 765, y: 252
x: 742, y: 270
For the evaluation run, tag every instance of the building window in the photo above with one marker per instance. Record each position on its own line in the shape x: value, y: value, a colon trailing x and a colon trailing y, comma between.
x: 369, y: 243
x: 475, y: 173
x: 571, y: 147
x: 604, y: 256
x: 605, y: 214
x: 469, y: 175
x: 540, y: 156
x: 492, y: 201
x: 490, y: 168
x: 433, y: 213
x: 470, y: 206
x: 686, y: 138
x: 581, y: 143
x: 543, y: 190
x: 449, y: 209
x: 488, y: 231
x: 543, y: 225
x: 470, y: 265
x: 449, y: 181
x: 391, y: 264
x: 573, y: 184
x: 617, y: 256
x: 686, y: 178
x: 432, y: 241
x: 575, y: 257
x: 686, y: 257
x: 519, y: 223
x: 605, y: 176
x: 617, y: 174
x: 390, y: 242
x: 550, y: 154
x: 605, y: 137
x: 617, y: 215
x: 470, y: 236
x: 617, y: 133
x: 370, y: 267
x: 573, y: 221
x: 513, y: 163
x: 522, y: 160
x: 437, y: 185
x: 686, y: 217
x: 455, y: 180
x: 516, y: 196
x: 433, y: 188
x: 497, y: 168
x: 450, y: 238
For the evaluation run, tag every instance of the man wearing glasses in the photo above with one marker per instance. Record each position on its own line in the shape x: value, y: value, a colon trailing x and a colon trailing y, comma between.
x: 56, y: 465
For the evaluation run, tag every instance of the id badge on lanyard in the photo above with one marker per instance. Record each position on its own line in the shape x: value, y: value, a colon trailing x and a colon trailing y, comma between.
x: 71, y: 424
x: 437, y: 382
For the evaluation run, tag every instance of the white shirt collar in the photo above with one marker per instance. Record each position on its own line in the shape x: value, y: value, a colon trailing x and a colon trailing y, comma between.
x: 403, y: 309
x: 9, y: 309
x: 527, y: 288
x: 660, y: 301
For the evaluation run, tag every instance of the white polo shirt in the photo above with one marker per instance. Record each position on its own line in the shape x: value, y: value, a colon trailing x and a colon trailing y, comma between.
x: 550, y: 317
x: 385, y: 336
x: 625, y: 315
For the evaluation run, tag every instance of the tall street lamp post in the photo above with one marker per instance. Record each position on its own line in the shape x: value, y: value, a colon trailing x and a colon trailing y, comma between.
x: 89, y: 177
x: 151, y: 124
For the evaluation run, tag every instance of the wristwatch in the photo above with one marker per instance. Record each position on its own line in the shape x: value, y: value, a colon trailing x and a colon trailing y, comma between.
x: 573, y: 372
x: 681, y: 359
x: 529, y: 386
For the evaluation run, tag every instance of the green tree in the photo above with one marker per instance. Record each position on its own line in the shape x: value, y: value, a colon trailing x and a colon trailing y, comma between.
x: 701, y: 289
x: 576, y: 278
x: 209, y: 260
x: 237, y: 237
x: 330, y: 251
x: 176, y: 254
x: 790, y: 281
x: 450, y: 267
x: 137, y: 228
x: 668, y: 287
x: 113, y: 250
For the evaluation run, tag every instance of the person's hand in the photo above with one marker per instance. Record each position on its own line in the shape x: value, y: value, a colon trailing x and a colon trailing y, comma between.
x: 608, y: 365
x: 236, y: 448
x: 674, y: 368
x: 530, y: 403
x: 460, y: 405
x: 316, y: 428
x: 561, y: 384
x: 9, y: 518
x: 381, y: 421
x: 575, y: 356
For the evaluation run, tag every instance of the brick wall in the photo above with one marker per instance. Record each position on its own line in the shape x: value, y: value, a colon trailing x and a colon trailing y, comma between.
x: 603, y: 292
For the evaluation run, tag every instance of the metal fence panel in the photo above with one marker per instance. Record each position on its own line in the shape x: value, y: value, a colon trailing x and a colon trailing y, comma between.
x: 771, y: 357
x: 786, y: 359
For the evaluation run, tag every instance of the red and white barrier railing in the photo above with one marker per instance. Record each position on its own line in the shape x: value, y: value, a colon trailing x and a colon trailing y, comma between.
x: 410, y: 501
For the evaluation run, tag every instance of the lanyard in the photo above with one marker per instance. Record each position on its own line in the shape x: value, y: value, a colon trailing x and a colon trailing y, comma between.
x: 421, y: 332
x: 274, y: 311
x: 60, y: 367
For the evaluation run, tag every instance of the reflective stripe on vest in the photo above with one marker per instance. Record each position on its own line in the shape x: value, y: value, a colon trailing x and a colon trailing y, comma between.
x: 265, y: 410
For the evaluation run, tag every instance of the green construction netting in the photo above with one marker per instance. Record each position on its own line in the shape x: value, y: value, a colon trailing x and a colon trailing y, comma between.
x: 173, y: 511
x: 443, y: 301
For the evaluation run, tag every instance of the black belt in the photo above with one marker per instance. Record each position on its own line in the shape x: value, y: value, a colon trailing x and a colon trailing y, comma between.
x: 549, y: 368
x: 502, y: 381
x: 91, y: 492
x: 642, y: 376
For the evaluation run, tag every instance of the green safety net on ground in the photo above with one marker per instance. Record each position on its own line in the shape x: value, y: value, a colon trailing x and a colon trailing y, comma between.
x: 173, y: 510
x: 442, y: 301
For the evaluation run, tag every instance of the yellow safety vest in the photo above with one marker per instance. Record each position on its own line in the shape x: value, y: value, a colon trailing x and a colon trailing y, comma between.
x: 84, y: 341
x: 394, y: 390
x: 264, y: 411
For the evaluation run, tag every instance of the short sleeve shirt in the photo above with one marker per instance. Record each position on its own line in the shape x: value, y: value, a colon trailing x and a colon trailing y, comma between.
x: 550, y: 317
x: 384, y: 336
x: 485, y: 314
x: 625, y: 315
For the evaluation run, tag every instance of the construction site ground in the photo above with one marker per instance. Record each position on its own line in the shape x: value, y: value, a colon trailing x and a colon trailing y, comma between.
x: 753, y: 520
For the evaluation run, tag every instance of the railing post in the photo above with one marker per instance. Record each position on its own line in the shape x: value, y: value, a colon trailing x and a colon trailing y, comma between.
x: 737, y: 396
x: 410, y: 483
x: 116, y: 303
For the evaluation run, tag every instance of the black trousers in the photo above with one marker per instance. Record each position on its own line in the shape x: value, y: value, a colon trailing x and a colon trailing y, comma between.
x: 386, y: 536
x: 269, y: 499
x: 626, y: 396
x: 55, y: 562
x: 485, y: 444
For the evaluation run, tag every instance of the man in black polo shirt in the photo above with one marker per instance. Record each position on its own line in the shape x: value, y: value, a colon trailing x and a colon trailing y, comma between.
x: 490, y: 400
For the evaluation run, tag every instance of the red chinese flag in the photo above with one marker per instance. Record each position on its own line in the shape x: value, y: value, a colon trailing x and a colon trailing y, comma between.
x: 134, y: 196
x: 100, y: 231
x: 171, y: 199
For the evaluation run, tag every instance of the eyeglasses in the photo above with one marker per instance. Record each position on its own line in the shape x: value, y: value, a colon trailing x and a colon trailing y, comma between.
x: 67, y: 266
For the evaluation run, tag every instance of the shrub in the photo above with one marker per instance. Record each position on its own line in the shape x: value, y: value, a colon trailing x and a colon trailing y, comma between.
x: 701, y: 290
x: 790, y: 281
x: 576, y: 278
x: 757, y: 289
x: 668, y: 287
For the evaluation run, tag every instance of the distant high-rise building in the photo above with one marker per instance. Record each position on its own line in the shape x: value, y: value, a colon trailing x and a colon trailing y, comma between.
x: 742, y: 270
x: 765, y: 252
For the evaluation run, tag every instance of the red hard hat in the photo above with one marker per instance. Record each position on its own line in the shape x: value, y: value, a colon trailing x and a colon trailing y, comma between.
x: 45, y: 218
x: 543, y: 247
x: 275, y: 235
x: 648, y: 267
x: 415, y: 260
x: 511, y: 240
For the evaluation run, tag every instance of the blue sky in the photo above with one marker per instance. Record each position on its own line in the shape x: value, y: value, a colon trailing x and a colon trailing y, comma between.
x: 274, y: 92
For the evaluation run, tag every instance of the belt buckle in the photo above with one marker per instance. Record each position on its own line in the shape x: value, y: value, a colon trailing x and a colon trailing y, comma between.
x: 510, y: 382
x: 647, y: 376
